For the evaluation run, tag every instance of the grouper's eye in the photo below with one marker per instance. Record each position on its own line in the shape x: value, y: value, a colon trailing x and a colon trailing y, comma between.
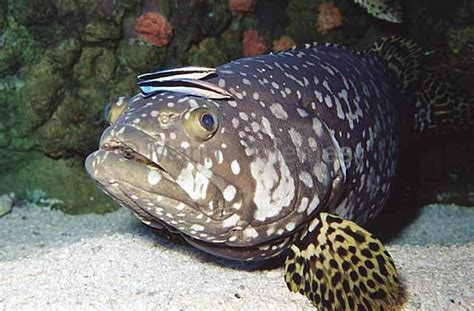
x: 201, y: 123
x: 207, y: 121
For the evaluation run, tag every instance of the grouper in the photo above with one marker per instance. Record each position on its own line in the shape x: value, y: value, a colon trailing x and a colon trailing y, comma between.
x: 282, y: 155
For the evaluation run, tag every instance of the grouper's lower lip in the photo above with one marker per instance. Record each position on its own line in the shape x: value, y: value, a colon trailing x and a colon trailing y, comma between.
x: 112, y: 169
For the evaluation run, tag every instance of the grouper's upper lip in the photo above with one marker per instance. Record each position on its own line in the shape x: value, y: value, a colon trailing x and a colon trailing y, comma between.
x: 130, y: 153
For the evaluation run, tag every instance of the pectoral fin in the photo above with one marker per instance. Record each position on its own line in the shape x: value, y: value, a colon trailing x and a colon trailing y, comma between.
x: 340, y: 266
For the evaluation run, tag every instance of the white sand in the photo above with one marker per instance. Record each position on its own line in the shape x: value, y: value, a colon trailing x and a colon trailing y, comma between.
x: 52, y: 261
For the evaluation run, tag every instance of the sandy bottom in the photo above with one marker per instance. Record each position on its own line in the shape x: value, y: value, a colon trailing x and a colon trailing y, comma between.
x: 52, y: 261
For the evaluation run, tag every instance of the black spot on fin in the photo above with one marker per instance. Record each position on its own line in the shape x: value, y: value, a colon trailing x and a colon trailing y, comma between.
x: 353, y: 271
x: 437, y: 105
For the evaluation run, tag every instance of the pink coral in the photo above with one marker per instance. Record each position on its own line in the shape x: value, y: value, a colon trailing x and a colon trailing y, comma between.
x: 154, y: 28
x: 329, y: 17
x: 253, y: 43
x: 242, y: 6
x: 284, y: 43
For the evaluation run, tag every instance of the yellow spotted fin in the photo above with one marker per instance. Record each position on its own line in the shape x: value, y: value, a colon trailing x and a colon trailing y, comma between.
x: 338, y: 265
x: 389, y: 10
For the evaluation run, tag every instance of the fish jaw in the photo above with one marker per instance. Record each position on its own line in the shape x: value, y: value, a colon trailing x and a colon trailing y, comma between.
x: 139, y: 184
x: 142, y: 173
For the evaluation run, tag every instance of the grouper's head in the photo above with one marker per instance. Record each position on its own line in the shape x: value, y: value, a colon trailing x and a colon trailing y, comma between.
x: 224, y: 174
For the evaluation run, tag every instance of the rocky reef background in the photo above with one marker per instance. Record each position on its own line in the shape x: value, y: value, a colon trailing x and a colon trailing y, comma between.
x: 62, y: 61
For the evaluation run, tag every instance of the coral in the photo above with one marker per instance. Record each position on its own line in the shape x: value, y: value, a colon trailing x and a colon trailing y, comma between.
x: 329, y: 17
x: 242, y: 6
x: 284, y: 43
x: 253, y: 43
x: 154, y: 28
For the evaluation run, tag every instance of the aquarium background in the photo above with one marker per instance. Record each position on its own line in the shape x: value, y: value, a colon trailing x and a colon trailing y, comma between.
x: 62, y: 61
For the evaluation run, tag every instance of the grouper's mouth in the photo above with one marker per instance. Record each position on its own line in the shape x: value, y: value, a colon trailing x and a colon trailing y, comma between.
x: 127, y: 152
x: 130, y: 162
x: 134, y: 175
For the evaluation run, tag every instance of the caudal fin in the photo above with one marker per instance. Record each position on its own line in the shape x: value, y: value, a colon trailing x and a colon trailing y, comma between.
x: 438, y: 106
x: 340, y: 266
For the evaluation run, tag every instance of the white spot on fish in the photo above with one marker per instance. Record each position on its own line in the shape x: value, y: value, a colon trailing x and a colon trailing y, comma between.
x: 243, y: 116
x: 250, y: 233
x: 303, y: 205
x: 274, y: 188
x: 312, y: 206
x: 235, y: 167
x: 312, y: 143
x: 267, y: 128
x: 278, y: 111
x: 317, y: 127
x: 197, y: 227
x: 219, y: 156
x: 302, y: 112
x: 290, y: 226
x: 328, y: 101
x: 207, y: 163
x: 306, y: 178
x: 229, y: 193
x: 193, y: 182
x: 154, y: 177
x: 231, y: 221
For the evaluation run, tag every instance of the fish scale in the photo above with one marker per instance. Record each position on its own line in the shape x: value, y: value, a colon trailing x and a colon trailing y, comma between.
x: 281, y: 155
x: 329, y: 73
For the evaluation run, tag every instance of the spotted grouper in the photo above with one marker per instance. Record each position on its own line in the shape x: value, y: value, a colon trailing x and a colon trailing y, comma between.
x: 286, y: 154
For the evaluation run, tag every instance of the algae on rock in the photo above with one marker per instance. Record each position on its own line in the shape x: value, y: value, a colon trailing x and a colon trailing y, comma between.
x: 207, y: 53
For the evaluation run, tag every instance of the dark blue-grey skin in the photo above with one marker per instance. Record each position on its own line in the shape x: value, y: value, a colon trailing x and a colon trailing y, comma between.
x: 280, y: 154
